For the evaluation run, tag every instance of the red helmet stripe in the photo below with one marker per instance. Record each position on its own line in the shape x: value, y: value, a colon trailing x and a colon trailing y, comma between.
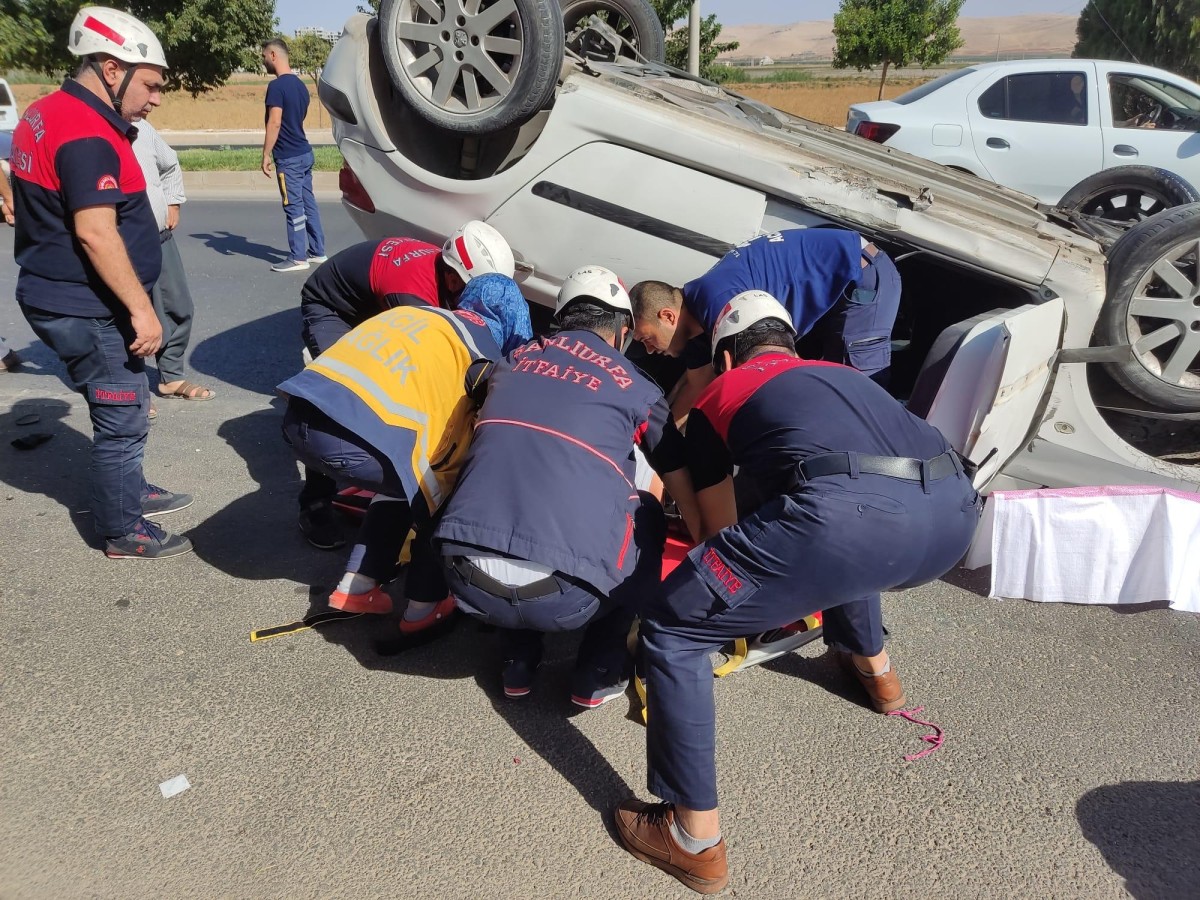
x: 103, y: 30
x: 461, y: 246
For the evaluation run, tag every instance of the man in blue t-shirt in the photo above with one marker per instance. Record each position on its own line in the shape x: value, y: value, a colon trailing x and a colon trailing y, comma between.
x: 286, y: 149
x: 841, y: 291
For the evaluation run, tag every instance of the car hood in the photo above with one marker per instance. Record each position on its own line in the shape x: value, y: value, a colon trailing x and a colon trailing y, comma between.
x: 873, y: 187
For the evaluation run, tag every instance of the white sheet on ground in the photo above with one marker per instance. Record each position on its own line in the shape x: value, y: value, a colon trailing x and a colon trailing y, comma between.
x: 1103, y: 545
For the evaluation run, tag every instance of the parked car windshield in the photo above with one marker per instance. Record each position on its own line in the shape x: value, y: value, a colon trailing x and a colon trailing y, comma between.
x: 930, y: 86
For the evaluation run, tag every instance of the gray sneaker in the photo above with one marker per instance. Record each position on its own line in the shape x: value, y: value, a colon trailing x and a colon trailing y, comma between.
x: 290, y: 265
x: 159, y: 501
x: 147, y: 541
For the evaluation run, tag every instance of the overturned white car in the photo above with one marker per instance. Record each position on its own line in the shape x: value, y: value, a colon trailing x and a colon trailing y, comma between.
x: 1013, y: 322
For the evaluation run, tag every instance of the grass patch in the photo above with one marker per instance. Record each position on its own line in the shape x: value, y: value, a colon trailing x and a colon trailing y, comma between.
x: 777, y: 76
x: 224, y: 159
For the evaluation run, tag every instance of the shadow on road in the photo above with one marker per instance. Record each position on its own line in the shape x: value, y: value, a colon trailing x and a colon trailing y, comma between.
x: 824, y: 671
x: 1148, y: 832
x: 255, y: 537
x: 467, y: 649
x: 57, y: 469
x: 255, y: 356
x: 228, y: 244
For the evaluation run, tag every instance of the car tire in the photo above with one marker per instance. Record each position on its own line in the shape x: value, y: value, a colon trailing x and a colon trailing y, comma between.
x: 1157, y: 315
x: 1126, y: 195
x: 634, y: 20
x: 473, y: 74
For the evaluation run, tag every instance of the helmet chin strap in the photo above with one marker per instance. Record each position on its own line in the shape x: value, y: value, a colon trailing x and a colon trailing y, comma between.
x: 114, y: 97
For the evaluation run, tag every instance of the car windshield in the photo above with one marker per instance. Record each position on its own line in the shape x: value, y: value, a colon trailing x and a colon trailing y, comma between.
x: 930, y: 86
x: 5, y: 97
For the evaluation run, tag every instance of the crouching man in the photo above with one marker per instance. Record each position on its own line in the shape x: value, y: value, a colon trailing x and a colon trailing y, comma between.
x: 387, y: 408
x: 546, y: 530
x: 864, y: 497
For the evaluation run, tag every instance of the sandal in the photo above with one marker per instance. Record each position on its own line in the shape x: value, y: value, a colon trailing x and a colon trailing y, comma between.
x: 188, y: 391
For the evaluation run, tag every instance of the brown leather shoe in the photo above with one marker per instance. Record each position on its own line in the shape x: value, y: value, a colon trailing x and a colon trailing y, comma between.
x: 645, y: 830
x: 885, y: 690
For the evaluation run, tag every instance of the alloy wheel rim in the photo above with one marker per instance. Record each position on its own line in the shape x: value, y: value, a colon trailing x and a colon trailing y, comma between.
x: 461, y: 56
x: 612, y: 16
x: 1164, y: 317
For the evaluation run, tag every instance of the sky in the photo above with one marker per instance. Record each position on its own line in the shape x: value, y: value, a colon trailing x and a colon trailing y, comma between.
x: 332, y: 14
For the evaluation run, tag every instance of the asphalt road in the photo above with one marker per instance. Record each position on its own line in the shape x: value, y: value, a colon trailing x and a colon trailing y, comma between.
x: 320, y: 768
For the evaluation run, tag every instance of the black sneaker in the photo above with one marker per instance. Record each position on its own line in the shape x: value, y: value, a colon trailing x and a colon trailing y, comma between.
x: 518, y: 677
x: 320, y: 526
x: 159, y: 501
x: 147, y: 541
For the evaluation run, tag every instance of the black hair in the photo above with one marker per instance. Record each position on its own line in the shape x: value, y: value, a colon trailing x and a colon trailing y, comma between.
x: 745, y: 344
x: 276, y: 43
x: 648, y: 297
x: 582, y: 315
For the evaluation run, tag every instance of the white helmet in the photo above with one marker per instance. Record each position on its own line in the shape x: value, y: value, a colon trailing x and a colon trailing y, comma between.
x: 597, y: 284
x: 477, y: 249
x: 98, y: 29
x: 746, y: 309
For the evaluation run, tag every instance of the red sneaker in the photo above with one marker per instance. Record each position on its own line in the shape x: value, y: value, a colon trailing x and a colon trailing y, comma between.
x: 376, y: 601
x: 439, y: 613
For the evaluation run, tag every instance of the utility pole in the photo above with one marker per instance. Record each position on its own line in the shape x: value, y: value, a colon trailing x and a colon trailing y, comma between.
x: 694, y: 38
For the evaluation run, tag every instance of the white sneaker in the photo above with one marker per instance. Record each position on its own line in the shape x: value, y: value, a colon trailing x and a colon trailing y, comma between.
x: 317, y: 260
x: 289, y: 265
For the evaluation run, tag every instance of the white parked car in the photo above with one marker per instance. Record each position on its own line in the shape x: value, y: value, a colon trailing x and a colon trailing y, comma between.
x: 9, y: 115
x: 655, y: 175
x: 1044, y: 126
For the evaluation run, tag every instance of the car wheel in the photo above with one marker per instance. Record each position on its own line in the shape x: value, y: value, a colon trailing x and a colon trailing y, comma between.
x: 473, y: 66
x: 1153, y: 305
x: 1127, y: 195
x: 633, y: 20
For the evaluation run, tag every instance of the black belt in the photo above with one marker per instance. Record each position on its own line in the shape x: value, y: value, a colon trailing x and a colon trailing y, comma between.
x: 902, y: 467
x: 476, y: 577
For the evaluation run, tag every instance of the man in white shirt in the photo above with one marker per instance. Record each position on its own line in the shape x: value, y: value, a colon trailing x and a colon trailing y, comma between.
x: 171, y: 296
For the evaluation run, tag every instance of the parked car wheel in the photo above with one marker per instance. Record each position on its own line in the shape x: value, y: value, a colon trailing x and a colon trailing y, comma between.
x: 473, y: 72
x: 1127, y: 195
x: 633, y: 20
x: 1154, y: 306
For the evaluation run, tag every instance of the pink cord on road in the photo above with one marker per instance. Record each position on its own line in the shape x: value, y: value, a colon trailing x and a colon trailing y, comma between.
x: 934, y: 739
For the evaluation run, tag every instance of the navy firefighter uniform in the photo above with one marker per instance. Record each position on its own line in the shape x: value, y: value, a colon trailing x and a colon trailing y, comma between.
x: 814, y: 436
x: 72, y: 151
x: 546, y: 531
x: 838, y: 288
x: 386, y: 409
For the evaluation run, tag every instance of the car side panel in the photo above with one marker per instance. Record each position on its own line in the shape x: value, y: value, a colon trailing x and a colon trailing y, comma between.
x: 1176, y: 151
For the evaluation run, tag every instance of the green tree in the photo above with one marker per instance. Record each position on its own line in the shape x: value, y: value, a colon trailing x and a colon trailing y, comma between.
x: 1160, y: 33
x: 671, y: 12
x: 895, y: 33
x: 204, y: 40
x: 371, y: 9
x: 308, y: 54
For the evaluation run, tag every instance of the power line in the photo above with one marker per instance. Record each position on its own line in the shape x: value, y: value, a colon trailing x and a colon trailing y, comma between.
x: 1096, y: 6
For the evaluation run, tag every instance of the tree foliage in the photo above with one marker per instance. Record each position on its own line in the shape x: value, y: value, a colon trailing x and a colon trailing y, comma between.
x: 895, y: 33
x: 672, y: 12
x: 1160, y: 33
x: 371, y: 9
x: 204, y: 40
x: 308, y: 54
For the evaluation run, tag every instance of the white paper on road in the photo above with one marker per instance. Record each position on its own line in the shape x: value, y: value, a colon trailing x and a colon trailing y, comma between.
x: 173, y: 786
x: 1102, y: 545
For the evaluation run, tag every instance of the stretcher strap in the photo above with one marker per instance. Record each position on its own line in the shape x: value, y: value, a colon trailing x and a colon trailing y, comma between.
x: 333, y: 615
x: 735, y: 659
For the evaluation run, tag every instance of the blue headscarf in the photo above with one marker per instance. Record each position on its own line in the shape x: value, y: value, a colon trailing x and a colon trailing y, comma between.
x: 498, y: 301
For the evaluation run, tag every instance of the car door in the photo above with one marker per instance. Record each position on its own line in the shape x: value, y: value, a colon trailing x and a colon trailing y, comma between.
x: 1038, y: 130
x: 1152, y: 121
x: 983, y: 387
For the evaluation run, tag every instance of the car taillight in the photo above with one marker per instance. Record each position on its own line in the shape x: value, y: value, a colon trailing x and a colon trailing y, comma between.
x: 353, y: 191
x: 878, y: 132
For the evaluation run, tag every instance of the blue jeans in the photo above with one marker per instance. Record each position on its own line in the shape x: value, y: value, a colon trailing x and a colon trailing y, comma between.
x: 100, y: 366
x: 832, y: 544
x: 305, y: 237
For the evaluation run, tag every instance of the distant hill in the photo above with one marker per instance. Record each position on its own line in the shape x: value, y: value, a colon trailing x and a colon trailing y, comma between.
x: 1031, y: 35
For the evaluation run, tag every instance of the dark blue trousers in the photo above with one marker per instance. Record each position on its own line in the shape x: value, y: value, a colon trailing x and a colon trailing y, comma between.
x: 857, y: 331
x: 305, y: 235
x: 573, y: 605
x: 338, y: 456
x: 100, y: 366
x: 831, y: 545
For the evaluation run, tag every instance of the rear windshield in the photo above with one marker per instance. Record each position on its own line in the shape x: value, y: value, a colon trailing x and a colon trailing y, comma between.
x: 930, y: 86
x: 5, y: 97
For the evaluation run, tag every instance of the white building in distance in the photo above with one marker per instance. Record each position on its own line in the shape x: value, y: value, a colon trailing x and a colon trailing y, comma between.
x: 323, y: 33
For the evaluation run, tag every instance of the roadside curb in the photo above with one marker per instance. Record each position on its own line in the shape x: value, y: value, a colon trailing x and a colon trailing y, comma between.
x: 252, y: 185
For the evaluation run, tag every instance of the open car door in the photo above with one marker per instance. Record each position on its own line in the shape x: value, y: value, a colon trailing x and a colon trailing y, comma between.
x: 983, y: 381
